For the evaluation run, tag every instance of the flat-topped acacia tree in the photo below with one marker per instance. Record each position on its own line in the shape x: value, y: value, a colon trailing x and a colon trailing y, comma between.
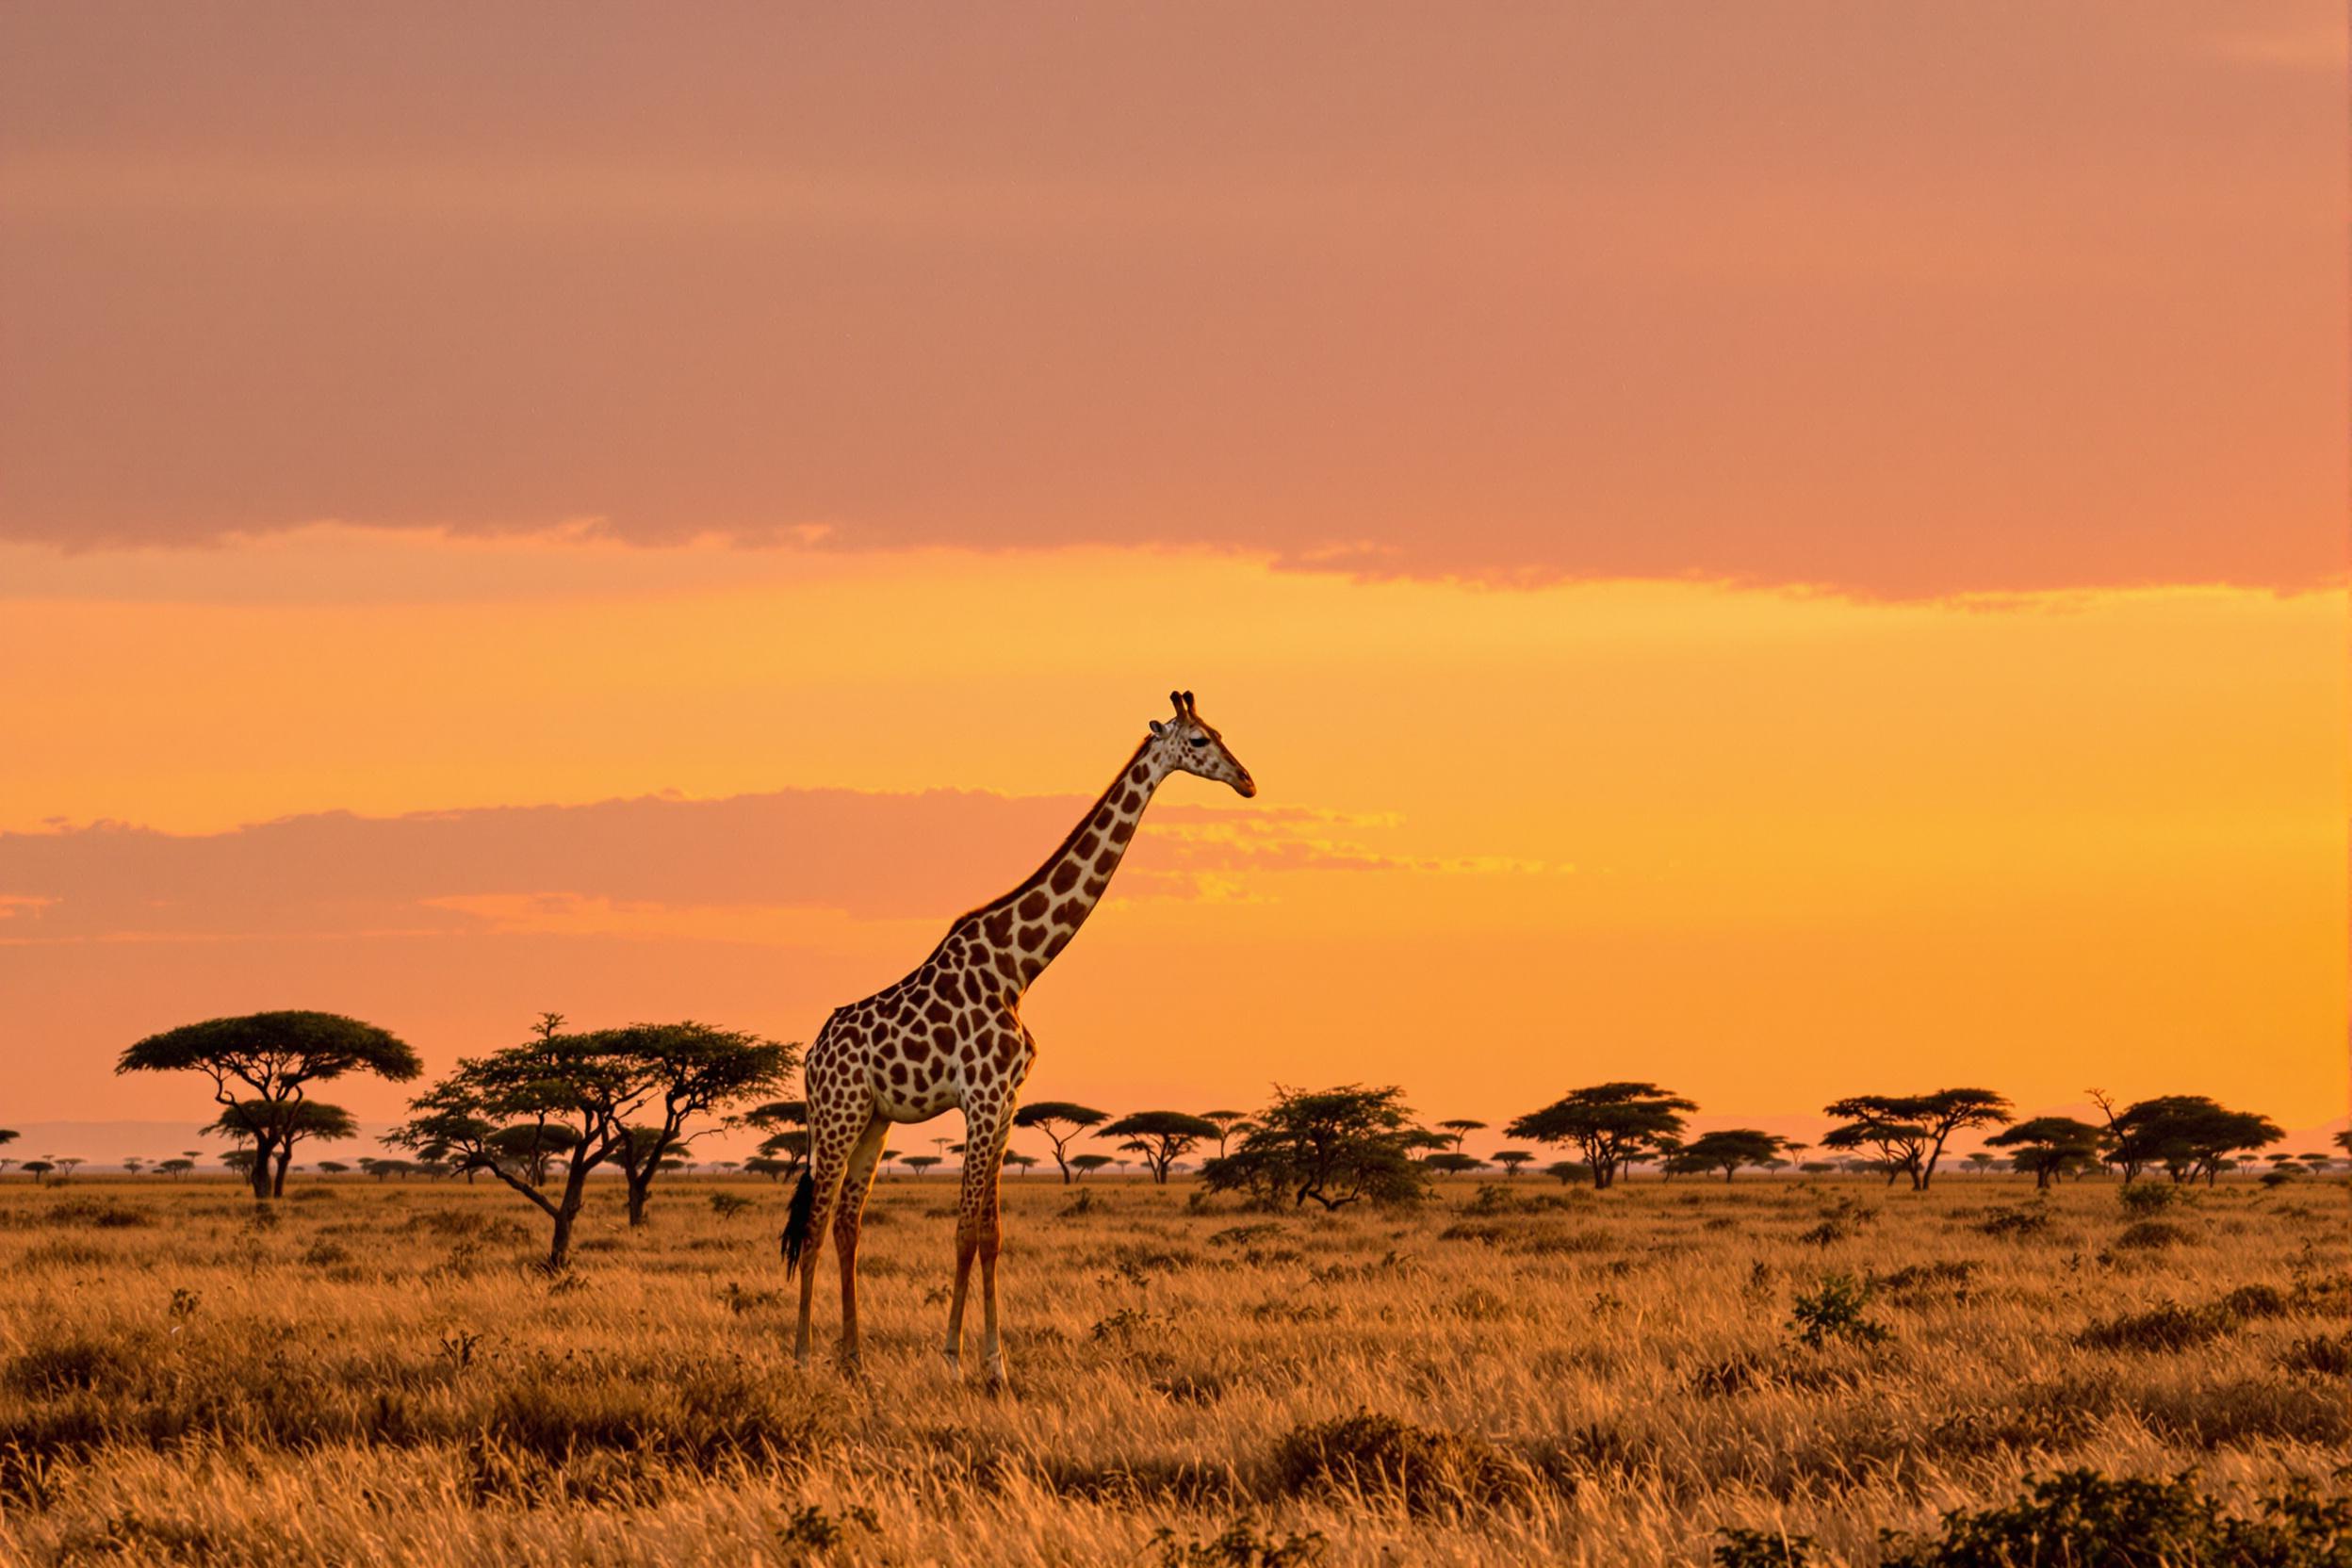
x: 263, y: 1064
x: 1611, y: 1124
x: 1060, y: 1120
x: 1162, y: 1137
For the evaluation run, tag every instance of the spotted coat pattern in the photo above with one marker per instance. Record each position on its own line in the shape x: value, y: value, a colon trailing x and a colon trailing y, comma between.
x: 950, y: 1034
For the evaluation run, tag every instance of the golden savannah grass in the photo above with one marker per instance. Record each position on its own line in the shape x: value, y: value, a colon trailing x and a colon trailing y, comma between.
x: 1508, y: 1372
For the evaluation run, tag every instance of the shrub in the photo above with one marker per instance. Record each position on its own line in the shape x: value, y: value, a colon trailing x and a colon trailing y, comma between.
x: 1763, y: 1549
x: 2152, y: 1235
x: 1426, y: 1469
x: 2173, y: 1326
x: 728, y: 1205
x: 2085, y: 1517
x: 2143, y: 1199
x: 2014, y: 1223
x: 2320, y: 1355
x: 65, y: 1365
x: 97, y: 1214
x: 1239, y: 1546
x: 1836, y: 1309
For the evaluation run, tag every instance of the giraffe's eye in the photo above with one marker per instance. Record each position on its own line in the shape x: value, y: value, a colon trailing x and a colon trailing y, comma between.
x: 1199, y: 740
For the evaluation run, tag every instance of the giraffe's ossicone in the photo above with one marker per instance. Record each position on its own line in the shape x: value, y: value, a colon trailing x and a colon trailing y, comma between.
x: 949, y: 1035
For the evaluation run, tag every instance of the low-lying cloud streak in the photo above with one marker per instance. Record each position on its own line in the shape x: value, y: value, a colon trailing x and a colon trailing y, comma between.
x: 870, y: 855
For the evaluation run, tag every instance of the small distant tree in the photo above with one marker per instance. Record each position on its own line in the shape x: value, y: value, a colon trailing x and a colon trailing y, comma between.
x: 332, y: 1167
x: 1726, y: 1149
x: 1086, y: 1165
x: 532, y: 1146
x: 134, y: 1165
x: 1333, y: 1147
x: 921, y: 1163
x: 1511, y: 1159
x: 240, y: 1162
x: 1162, y: 1137
x: 1568, y: 1172
x: 37, y: 1170
x: 1460, y: 1128
x: 1060, y: 1120
x: 762, y: 1165
x: 1610, y: 1123
x: 1453, y: 1165
x: 2315, y: 1163
x: 263, y: 1064
x: 1019, y: 1162
x: 175, y: 1169
x: 1978, y: 1163
x: 2049, y: 1146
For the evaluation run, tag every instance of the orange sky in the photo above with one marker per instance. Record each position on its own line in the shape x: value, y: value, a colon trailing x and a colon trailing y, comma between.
x: 1787, y: 550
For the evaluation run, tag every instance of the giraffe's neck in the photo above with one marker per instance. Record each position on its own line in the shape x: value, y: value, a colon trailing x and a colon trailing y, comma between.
x: 1026, y: 928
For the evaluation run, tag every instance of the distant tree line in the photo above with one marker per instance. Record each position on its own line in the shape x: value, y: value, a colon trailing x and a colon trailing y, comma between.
x: 541, y: 1117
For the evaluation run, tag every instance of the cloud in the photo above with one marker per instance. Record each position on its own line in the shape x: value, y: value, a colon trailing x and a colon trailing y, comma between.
x: 794, y: 865
x: 1894, y: 302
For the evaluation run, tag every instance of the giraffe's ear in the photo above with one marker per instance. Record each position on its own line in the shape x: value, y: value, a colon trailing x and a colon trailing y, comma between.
x: 1158, y: 729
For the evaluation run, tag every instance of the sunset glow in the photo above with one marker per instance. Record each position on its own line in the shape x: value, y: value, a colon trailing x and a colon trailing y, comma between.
x: 1728, y: 595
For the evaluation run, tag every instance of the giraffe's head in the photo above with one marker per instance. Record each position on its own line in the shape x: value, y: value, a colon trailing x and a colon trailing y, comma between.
x: 1189, y: 744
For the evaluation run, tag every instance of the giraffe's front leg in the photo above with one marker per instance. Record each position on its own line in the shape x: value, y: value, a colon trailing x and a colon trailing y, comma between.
x: 988, y: 1123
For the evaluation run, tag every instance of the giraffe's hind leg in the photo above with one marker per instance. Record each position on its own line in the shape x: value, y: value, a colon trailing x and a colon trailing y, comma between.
x: 856, y: 1180
x: 835, y: 1124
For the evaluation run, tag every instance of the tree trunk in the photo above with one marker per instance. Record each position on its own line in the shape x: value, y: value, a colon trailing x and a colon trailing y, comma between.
x: 1729, y: 1171
x: 263, y: 1154
x: 277, y: 1177
x: 2041, y: 1179
x: 560, y: 1246
x: 637, y: 1191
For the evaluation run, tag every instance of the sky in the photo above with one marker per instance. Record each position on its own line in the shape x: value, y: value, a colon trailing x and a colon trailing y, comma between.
x: 1784, y: 550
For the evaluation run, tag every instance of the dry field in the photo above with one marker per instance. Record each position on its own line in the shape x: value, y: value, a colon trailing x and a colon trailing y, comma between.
x: 380, y: 1376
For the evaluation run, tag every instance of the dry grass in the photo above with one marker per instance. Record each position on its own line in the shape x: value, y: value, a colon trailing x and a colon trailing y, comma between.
x: 380, y: 1378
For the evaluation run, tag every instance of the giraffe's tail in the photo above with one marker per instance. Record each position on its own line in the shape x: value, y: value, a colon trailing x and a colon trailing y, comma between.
x: 796, y: 1219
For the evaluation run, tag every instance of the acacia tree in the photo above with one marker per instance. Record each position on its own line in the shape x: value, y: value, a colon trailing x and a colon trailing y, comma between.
x: 2049, y: 1146
x: 304, y: 1119
x: 1728, y: 1148
x: 2190, y: 1134
x: 1909, y: 1130
x: 1331, y: 1146
x: 691, y: 1070
x: 531, y: 1144
x: 1162, y: 1137
x: 593, y: 1086
x: 1511, y: 1159
x: 1460, y: 1128
x: 1228, y: 1124
x: 1454, y: 1164
x: 1611, y: 1123
x: 262, y: 1065
x: 175, y: 1169
x: 921, y: 1163
x: 1060, y: 1120
x: 1086, y: 1165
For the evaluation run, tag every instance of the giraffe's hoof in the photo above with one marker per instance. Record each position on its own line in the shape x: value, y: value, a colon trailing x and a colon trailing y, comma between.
x: 852, y: 1367
x: 955, y: 1364
x: 1000, y: 1378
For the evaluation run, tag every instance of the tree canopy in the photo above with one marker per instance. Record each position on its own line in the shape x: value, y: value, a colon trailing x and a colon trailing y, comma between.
x: 1060, y: 1120
x: 1332, y: 1147
x: 1611, y: 1123
x: 2049, y: 1146
x: 1162, y: 1137
x: 2189, y: 1135
x: 261, y: 1064
x: 1908, y: 1131
x: 1726, y: 1149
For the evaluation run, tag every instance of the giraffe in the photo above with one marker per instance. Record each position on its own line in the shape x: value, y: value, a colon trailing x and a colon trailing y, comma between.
x: 949, y: 1035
